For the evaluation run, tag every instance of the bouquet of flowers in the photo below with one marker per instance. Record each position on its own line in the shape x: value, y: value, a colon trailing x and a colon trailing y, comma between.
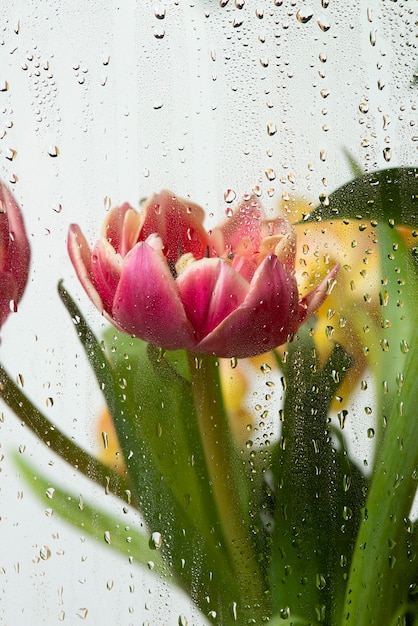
x: 261, y: 515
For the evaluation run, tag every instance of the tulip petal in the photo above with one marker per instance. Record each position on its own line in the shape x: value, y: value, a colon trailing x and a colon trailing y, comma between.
x: 80, y: 255
x: 113, y: 225
x: 106, y: 266
x: 263, y: 321
x: 8, y: 293
x: 178, y: 222
x: 132, y: 225
x: 243, y: 225
x: 210, y: 290
x: 313, y: 300
x: 15, y: 255
x: 147, y: 303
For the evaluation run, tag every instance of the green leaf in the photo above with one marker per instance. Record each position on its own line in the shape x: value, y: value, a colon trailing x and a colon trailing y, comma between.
x: 309, y: 481
x: 165, y: 421
x: 164, y: 475
x: 92, y: 520
x: 56, y: 440
x: 167, y: 418
x: 388, y: 195
x: 398, y: 301
x: 383, y: 566
x: 354, y: 165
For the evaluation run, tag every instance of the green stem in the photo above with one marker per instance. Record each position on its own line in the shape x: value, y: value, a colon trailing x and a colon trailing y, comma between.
x: 62, y: 445
x: 227, y: 480
x: 380, y: 572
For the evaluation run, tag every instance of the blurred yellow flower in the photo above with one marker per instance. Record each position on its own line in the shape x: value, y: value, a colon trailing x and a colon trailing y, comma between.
x: 110, y: 450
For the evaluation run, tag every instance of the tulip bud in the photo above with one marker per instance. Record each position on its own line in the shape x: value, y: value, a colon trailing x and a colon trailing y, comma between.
x: 14, y: 254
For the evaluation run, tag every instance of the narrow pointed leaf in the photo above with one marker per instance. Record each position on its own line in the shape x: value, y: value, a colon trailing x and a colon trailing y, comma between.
x: 56, y: 440
x: 91, y: 520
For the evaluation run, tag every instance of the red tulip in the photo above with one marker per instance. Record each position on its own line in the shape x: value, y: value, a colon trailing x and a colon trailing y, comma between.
x: 14, y: 254
x: 160, y: 276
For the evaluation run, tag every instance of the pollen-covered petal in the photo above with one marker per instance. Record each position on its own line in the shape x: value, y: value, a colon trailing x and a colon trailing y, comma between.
x: 210, y: 290
x: 313, y: 300
x: 263, y: 321
x: 147, y: 302
x: 80, y: 255
x: 106, y: 266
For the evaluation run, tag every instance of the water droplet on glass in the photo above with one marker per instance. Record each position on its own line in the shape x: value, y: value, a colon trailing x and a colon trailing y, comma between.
x: 156, y: 541
x: 159, y: 33
x: 342, y: 417
x: 320, y: 581
x: 271, y: 128
x: 4, y: 85
x: 304, y: 14
x: 324, y: 26
x: 229, y: 195
x: 284, y: 612
x: 183, y: 621
x: 257, y: 190
x: 50, y: 493
x: 45, y: 553
x: 158, y: 105
x: 11, y: 154
x: 160, y: 13
x: 387, y: 153
x: 373, y: 37
x: 404, y: 346
x: 105, y: 438
x: 270, y: 174
x: 53, y: 151
x: 107, y: 537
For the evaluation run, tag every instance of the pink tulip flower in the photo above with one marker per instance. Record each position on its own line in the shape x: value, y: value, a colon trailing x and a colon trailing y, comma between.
x: 158, y: 275
x: 14, y: 254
